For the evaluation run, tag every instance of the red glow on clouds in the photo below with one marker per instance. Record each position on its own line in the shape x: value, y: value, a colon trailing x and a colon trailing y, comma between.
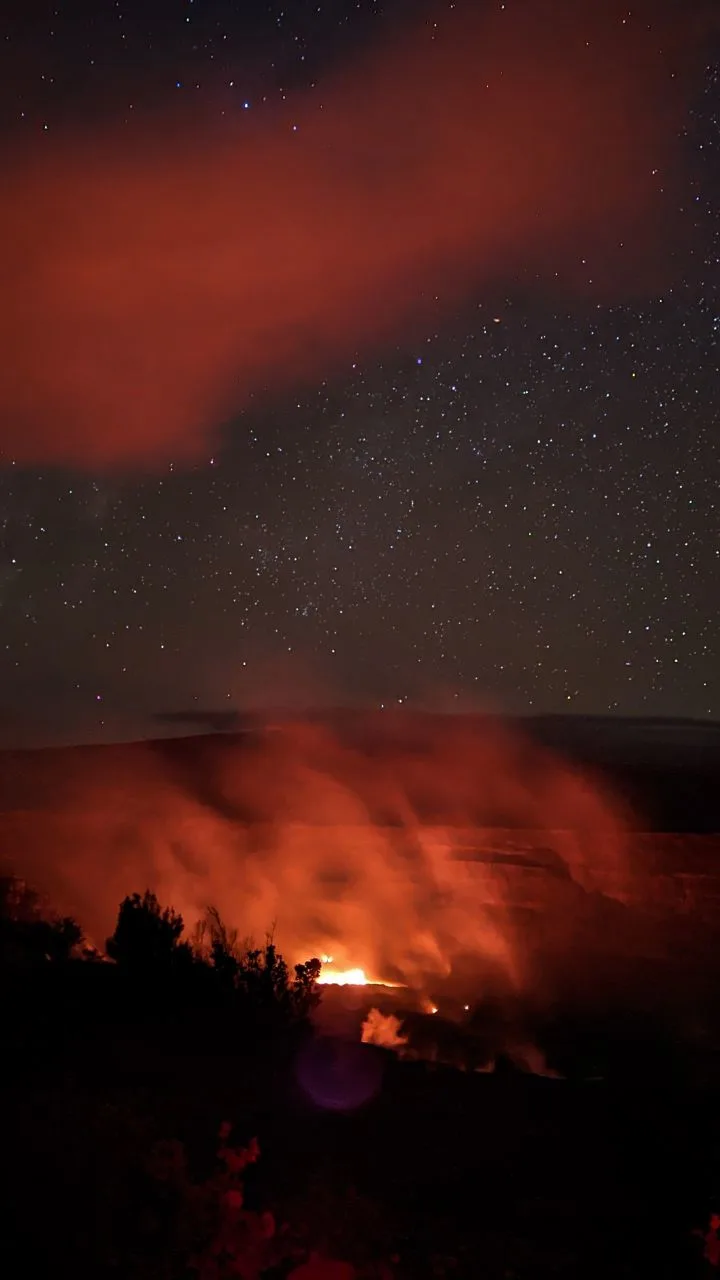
x: 153, y: 282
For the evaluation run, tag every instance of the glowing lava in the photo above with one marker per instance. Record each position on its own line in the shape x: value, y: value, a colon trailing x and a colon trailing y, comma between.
x: 343, y: 978
x: 355, y: 977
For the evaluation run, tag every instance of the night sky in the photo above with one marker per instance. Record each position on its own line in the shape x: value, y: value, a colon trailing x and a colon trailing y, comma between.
x: 470, y: 454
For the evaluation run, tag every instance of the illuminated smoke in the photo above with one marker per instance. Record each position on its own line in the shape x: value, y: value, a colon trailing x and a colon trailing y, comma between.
x: 153, y: 284
x: 400, y: 849
x: 383, y: 1030
x: 386, y: 1032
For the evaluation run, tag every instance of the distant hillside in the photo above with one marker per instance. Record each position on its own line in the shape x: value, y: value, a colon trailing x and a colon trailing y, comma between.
x: 669, y: 770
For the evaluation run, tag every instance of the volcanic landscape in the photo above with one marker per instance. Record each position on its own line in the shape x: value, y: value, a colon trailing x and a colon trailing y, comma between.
x: 448, y: 857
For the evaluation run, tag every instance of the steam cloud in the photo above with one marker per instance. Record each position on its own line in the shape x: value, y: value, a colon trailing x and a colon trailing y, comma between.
x: 356, y: 845
x: 384, y: 1030
x: 151, y: 284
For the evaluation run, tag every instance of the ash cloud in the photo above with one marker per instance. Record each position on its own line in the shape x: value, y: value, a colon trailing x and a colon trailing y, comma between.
x: 153, y: 283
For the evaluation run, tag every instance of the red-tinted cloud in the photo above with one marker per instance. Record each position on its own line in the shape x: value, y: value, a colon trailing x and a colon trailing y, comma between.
x: 150, y: 284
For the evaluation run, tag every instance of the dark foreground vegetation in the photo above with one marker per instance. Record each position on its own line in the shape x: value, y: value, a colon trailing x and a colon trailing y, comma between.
x: 171, y: 1113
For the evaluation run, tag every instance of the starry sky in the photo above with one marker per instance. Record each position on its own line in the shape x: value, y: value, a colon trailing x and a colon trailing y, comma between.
x: 325, y: 383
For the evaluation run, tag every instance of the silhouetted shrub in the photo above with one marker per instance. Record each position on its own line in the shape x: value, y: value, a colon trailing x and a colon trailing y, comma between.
x: 29, y: 935
x: 258, y: 976
x: 252, y: 984
x: 263, y: 980
x: 146, y: 937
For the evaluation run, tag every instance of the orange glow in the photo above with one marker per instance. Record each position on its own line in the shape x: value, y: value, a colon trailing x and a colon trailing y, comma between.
x: 427, y: 1005
x: 331, y: 975
x: 397, y: 861
x: 343, y: 978
x: 154, y: 284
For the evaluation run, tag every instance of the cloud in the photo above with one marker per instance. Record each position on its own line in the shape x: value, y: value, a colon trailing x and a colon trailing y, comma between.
x: 153, y: 280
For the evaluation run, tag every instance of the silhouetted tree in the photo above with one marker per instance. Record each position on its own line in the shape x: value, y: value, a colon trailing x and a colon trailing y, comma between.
x: 146, y: 937
x: 225, y: 952
x: 27, y: 936
x: 60, y: 938
x: 256, y: 980
x: 305, y: 993
x: 259, y: 975
x: 264, y: 981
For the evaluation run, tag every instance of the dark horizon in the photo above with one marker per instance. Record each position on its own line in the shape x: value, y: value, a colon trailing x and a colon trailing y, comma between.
x: 215, y: 722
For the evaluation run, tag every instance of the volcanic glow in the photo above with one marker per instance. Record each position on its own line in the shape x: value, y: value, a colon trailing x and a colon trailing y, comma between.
x: 398, y: 851
x: 355, y: 977
x: 343, y: 977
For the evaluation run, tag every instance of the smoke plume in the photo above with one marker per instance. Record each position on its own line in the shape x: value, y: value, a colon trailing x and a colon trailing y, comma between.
x: 154, y: 281
x: 383, y: 1030
x: 416, y: 851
